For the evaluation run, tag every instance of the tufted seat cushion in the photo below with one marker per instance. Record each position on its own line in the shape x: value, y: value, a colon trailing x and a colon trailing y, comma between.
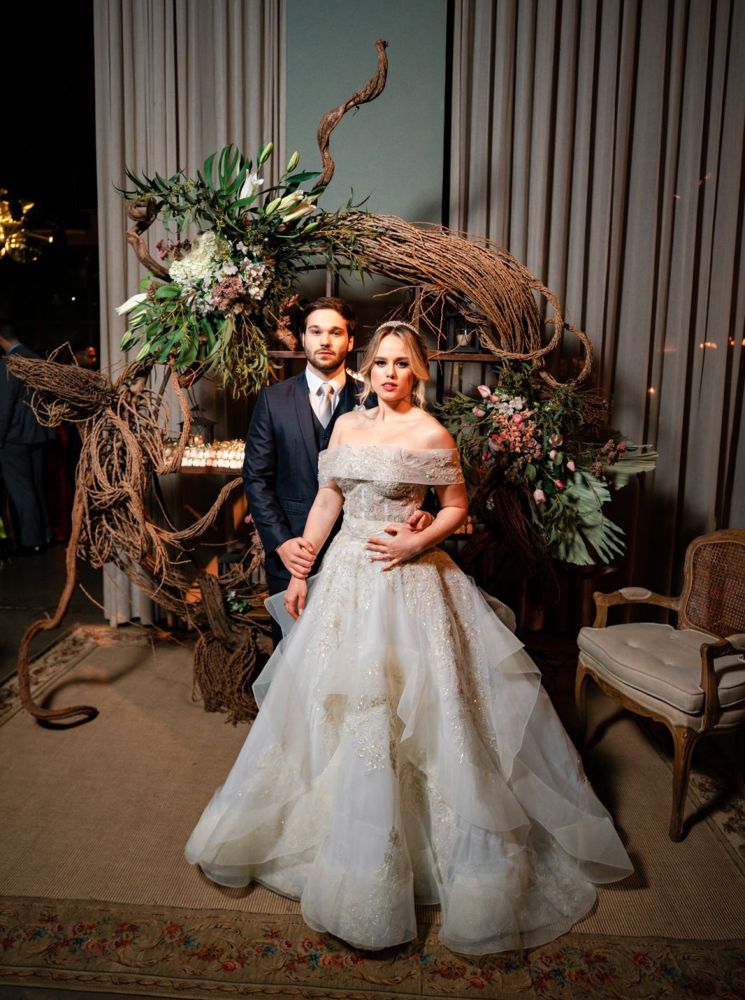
x: 662, y: 663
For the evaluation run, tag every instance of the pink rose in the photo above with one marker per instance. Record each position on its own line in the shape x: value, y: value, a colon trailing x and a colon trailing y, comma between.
x: 539, y: 496
x: 559, y: 484
x: 571, y: 466
x: 552, y: 454
x: 485, y: 391
x: 478, y: 411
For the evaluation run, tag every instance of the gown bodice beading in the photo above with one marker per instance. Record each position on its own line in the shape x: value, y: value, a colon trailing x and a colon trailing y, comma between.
x: 384, y: 484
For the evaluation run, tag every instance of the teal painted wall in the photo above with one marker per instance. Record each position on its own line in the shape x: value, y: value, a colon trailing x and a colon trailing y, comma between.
x: 391, y: 149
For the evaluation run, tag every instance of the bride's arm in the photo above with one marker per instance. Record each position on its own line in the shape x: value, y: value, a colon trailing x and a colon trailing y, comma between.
x: 321, y: 519
x: 400, y: 544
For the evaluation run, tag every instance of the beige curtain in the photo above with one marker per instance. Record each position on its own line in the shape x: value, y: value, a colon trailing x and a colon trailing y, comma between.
x: 601, y: 142
x: 175, y: 80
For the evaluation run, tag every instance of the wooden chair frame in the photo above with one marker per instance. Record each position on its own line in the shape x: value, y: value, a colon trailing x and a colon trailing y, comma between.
x: 685, y: 738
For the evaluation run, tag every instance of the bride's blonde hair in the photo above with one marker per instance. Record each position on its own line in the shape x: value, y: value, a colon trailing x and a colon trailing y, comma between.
x: 416, y: 347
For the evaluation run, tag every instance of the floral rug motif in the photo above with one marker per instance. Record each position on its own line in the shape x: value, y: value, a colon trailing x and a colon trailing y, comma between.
x: 70, y: 648
x: 146, y: 950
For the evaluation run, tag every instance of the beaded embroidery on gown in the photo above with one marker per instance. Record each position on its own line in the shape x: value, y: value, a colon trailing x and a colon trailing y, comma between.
x: 406, y: 752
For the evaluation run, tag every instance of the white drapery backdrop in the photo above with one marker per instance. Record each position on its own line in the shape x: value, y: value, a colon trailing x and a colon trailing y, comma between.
x: 601, y: 142
x: 175, y: 80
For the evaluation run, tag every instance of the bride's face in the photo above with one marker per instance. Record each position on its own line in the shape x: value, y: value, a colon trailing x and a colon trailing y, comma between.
x: 391, y: 376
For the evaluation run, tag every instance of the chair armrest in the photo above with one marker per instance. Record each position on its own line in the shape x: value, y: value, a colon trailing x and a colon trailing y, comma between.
x: 629, y: 595
x: 710, y: 651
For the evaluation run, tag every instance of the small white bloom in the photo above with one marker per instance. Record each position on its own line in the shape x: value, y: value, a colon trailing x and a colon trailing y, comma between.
x: 229, y: 268
x: 251, y: 185
x: 130, y: 304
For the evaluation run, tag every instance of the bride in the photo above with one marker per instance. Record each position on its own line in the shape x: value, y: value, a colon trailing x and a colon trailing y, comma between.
x: 405, y: 751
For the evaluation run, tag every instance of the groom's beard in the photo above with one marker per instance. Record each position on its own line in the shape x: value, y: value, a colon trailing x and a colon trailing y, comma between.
x: 330, y: 364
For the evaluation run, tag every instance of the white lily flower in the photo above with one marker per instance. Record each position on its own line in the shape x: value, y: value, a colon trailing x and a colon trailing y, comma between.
x: 290, y: 199
x: 251, y: 185
x: 304, y: 208
x: 130, y: 304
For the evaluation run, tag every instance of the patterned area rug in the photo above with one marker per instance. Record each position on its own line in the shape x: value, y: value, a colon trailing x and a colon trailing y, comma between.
x: 144, y: 950
x: 139, y: 950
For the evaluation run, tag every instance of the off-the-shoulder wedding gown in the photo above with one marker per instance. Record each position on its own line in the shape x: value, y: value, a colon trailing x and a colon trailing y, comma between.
x: 406, y: 752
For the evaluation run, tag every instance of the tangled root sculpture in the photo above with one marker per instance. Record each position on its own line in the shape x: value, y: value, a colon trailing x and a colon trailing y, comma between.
x: 517, y: 318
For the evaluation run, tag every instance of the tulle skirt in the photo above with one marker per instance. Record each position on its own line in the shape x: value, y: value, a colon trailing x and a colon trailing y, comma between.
x: 405, y: 752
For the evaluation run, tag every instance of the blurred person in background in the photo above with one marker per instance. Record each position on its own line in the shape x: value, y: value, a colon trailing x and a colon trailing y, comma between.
x: 23, y: 444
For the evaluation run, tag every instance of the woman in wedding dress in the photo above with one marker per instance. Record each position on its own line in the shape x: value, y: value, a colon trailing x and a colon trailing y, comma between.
x: 405, y: 751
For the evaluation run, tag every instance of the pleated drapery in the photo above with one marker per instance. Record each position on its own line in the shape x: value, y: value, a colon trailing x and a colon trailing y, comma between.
x: 175, y: 80
x: 601, y: 142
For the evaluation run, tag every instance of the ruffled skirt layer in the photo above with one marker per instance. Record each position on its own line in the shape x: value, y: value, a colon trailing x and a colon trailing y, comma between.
x: 406, y: 752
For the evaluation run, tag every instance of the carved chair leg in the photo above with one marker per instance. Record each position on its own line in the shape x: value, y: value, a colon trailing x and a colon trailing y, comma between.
x: 580, y: 700
x: 684, y: 740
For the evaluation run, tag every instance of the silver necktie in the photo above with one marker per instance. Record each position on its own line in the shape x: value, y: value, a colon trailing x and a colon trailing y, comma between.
x: 326, y: 391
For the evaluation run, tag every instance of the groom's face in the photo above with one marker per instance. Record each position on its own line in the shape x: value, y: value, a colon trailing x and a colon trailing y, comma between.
x: 326, y: 342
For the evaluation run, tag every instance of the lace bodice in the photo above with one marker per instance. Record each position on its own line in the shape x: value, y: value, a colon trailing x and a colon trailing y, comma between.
x: 385, y: 482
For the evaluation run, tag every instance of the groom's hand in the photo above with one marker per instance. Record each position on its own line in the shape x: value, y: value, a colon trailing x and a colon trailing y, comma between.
x: 298, y: 556
x: 420, y: 520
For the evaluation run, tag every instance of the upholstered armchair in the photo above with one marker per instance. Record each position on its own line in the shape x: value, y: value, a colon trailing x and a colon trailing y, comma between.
x: 691, y: 677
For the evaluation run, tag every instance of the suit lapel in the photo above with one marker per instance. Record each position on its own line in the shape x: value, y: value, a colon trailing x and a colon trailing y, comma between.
x: 347, y: 398
x: 305, y: 418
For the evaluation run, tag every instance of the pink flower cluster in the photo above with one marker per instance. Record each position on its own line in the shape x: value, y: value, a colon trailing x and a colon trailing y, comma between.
x: 227, y: 293
x: 516, y: 434
x: 611, y: 452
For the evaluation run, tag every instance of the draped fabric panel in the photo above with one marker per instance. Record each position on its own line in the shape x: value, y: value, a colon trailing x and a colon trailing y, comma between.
x: 175, y: 80
x: 601, y: 142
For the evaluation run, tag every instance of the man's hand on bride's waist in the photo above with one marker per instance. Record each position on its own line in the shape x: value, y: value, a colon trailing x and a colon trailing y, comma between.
x: 298, y: 556
x: 420, y: 520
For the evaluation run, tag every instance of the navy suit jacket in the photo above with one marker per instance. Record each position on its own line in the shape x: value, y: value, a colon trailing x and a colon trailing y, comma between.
x: 18, y: 425
x: 280, y: 470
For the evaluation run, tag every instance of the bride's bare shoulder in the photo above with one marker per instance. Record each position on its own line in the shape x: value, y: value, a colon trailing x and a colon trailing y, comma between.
x: 347, y: 424
x: 433, y: 435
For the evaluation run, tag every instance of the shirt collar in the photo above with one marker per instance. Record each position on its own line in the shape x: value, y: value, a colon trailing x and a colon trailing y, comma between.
x: 314, y: 381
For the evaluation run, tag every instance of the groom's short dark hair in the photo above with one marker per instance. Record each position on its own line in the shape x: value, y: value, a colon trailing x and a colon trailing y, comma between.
x: 330, y: 302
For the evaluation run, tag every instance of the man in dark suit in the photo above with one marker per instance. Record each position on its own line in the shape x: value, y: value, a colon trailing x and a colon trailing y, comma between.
x: 291, y: 423
x: 22, y: 445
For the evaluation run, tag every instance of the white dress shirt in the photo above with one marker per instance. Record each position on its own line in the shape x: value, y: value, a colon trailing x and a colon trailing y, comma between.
x: 315, y: 383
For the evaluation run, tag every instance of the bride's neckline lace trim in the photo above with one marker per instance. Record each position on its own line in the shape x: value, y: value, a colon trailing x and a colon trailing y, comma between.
x: 394, y: 447
x: 390, y: 463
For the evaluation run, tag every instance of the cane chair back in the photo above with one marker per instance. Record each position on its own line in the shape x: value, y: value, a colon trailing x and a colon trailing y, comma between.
x: 713, y: 598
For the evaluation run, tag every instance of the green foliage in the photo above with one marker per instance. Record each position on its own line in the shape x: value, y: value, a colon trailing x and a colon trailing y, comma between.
x: 228, y: 287
x: 527, y: 437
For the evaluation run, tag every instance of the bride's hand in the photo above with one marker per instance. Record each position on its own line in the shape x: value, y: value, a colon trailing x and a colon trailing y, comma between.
x: 295, y: 597
x: 402, y: 545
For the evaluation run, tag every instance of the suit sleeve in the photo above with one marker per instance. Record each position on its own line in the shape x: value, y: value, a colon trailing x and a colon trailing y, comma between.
x: 259, y: 476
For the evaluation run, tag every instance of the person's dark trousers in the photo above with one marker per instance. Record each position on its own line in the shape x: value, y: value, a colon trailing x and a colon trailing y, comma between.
x: 23, y: 472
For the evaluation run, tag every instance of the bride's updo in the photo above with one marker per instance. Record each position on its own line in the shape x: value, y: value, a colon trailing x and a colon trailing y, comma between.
x: 417, y: 351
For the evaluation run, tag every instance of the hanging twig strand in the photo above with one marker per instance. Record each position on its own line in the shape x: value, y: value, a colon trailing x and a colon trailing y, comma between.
x: 122, y: 450
x: 372, y: 89
x: 143, y: 214
x: 480, y: 281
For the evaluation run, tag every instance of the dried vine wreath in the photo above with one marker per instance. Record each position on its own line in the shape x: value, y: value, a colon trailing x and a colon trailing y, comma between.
x: 120, y: 422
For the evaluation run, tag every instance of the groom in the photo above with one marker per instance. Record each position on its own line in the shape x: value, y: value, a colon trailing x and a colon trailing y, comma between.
x: 291, y: 423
